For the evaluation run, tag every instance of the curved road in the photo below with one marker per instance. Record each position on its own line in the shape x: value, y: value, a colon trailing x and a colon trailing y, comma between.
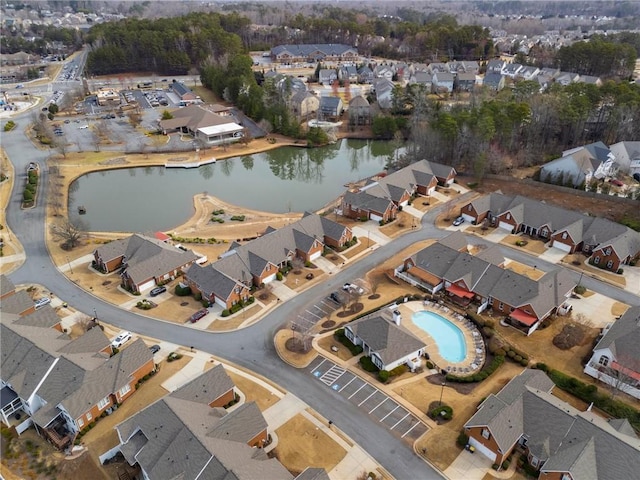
x: 251, y: 347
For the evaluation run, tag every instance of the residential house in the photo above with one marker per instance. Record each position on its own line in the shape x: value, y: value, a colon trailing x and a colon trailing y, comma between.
x: 214, y: 388
x: 384, y: 71
x: 330, y: 108
x: 289, y: 86
x: 550, y: 72
x: 383, y: 89
x: 365, y: 75
x: 465, y: 82
x: 258, y: 261
x: 627, y: 156
x: 17, y: 302
x: 616, y: 357
x: 313, y: 53
x: 442, y: 82
x: 304, y: 105
x: 494, y: 81
x: 145, y: 262
x: 182, y: 436
x: 482, y: 278
x: 348, y: 73
x: 422, y: 78
x: 512, y: 69
x: 590, y: 80
x: 580, y: 165
x: 528, y: 72
x: 327, y: 76
x: 557, y: 439
x: 456, y: 67
x: 373, y: 200
x: 359, y: 111
x: 612, y: 243
x: 495, y: 66
x: 184, y: 92
x: 211, y: 128
x: 385, y: 340
x: 565, y: 78
x: 62, y: 385
x: 471, y: 66
x: 437, y: 67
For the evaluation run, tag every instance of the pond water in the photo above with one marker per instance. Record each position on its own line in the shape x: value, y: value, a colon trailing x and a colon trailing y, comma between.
x: 288, y: 179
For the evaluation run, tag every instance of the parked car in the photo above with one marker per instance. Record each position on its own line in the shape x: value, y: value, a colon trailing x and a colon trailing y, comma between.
x: 350, y: 287
x: 198, y: 315
x: 636, y: 177
x: 41, y: 302
x: 335, y: 296
x: 154, y: 349
x: 458, y: 221
x: 157, y: 291
x: 121, y: 339
x: 616, y: 182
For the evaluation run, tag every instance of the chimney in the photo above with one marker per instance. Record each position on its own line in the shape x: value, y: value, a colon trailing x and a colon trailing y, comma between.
x: 397, y: 317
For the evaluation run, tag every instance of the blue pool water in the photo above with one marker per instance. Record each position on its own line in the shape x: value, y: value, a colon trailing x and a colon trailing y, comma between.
x: 447, y: 336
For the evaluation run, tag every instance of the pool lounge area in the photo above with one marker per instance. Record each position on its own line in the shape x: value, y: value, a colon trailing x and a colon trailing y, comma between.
x: 454, y: 345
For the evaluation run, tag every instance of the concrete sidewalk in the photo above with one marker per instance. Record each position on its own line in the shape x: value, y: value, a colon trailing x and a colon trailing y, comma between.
x: 190, y: 371
x: 288, y: 407
x: 468, y: 466
x: 369, y: 230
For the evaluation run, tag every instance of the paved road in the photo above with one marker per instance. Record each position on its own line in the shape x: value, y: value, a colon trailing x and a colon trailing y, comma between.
x: 252, y: 347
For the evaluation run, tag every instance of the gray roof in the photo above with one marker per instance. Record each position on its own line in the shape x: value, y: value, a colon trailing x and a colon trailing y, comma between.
x: 388, y: 340
x: 91, y: 341
x: 180, y: 88
x: 245, y: 423
x: 210, y: 280
x: 310, y: 473
x: 146, y: 257
x: 207, y: 387
x: 6, y: 285
x: 367, y: 202
x: 108, y: 378
x: 330, y: 104
x: 16, y: 303
x: 45, y: 317
x: 492, y: 79
x: 304, y: 50
x: 358, y: 101
x: 455, y: 240
x: 623, y: 338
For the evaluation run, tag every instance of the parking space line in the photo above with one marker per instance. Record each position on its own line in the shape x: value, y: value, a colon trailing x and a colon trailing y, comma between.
x: 398, y: 422
x: 348, y: 383
x: 310, y: 313
x: 397, y: 407
x: 318, y: 366
x: 412, y: 427
x: 372, y: 394
x: 363, y: 384
x: 374, y: 408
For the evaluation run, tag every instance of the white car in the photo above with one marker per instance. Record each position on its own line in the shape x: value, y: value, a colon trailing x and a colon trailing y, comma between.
x: 121, y: 339
x: 353, y: 288
x: 41, y: 302
x: 83, y: 127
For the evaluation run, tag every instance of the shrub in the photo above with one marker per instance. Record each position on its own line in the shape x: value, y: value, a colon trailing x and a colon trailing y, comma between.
x: 580, y: 289
x: 197, y: 296
x: 383, y: 375
x: 27, y: 196
x: 463, y: 439
x: 10, y: 125
x: 238, y: 218
x: 225, y: 313
x: 524, y: 362
x: 182, y: 290
x: 429, y: 365
x: 495, y: 466
x: 399, y: 370
x: 367, y: 364
x: 488, y: 332
x: 308, y: 264
x: 542, y: 366
x: 443, y: 411
x: 279, y: 276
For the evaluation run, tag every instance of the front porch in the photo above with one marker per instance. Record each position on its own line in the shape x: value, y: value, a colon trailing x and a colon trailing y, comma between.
x: 521, y: 321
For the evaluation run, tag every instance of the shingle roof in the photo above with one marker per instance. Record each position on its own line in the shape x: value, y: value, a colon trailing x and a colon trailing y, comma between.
x: 194, y: 117
x: 304, y: 50
x: 245, y: 423
x: 390, y: 341
x: 210, y: 280
x: 623, y: 338
x: 310, y: 473
x: 207, y: 387
x: 45, y: 317
x: 6, y: 285
x: 17, y: 303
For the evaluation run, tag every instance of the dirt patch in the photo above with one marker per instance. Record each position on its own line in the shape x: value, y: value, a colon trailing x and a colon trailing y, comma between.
x: 302, y: 444
x: 402, y: 224
x: 353, y: 309
x: 532, y: 246
x: 424, y: 204
x: 328, y: 324
x: 298, y: 360
x: 363, y: 244
x: 327, y: 343
x: 618, y: 308
x: 522, y: 269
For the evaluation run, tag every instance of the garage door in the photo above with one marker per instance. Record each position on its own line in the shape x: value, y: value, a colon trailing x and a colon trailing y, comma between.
x: 468, y: 218
x: 147, y: 285
x: 375, y: 217
x: 482, y: 449
x: 431, y: 190
x: 506, y: 226
x: 220, y: 302
x: 405, y: 203
x: 561, y: 246
x: 270, y: 278
x: 315, y: 255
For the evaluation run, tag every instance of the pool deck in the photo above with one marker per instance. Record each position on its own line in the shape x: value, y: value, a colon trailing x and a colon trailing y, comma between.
x: 472, y: 337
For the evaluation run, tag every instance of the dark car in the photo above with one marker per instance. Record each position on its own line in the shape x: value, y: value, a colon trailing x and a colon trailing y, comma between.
x: 335, y: 296
x: 154, y: 349
x: 157, y: 291
x: 636, y: 177
x: 198, y: 315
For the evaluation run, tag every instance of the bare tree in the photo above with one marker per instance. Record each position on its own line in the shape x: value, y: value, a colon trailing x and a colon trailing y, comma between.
x: 95, y: 140
x: 62, y: 147
x: 135, y: 118
x: 373, y: 280
x: 69, y: 233
x: 619, y: 379
x: 297, y: 263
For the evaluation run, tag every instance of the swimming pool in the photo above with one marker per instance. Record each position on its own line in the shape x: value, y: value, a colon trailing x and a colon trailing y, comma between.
x: 447, y: 336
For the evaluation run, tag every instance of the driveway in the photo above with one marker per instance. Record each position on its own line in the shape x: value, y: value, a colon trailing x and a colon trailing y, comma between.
x: 468, y: 466
x: 370, y: 230
x: 595, y: 308
x: 553, y: 255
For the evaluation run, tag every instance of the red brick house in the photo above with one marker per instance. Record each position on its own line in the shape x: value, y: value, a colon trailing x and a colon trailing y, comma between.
x: 359, y: 205
x: 611, y: 244
x: 215, y: 286
x: 556, y: 439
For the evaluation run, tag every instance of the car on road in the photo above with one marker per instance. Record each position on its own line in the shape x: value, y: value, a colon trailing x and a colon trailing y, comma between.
x: 157, y: 291
x: 67, y: 121
x: 83, y: 127
x: 154, y: 349
x: 198, y: 315
x: 41, y: 302
x: 458, y: 221
x: 121, y: 339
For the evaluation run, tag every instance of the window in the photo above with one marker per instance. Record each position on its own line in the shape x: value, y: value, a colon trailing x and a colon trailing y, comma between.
x: 604, y: 361
x: 469, y: 207
x: 544, y: 232
x: 486, y: 434
x: 610, y: 264
x: 607, y: 252
x: 508, y: 216
x: 564, y: 235
x: 89, y: 417
x: 596, y: 260
x: 124, y: 390
x: 80, y: 423
x: 500, y: 306
x: 490, y: 300
x: 565, y: 476
x: 103, y: 403
x: 534, y: 462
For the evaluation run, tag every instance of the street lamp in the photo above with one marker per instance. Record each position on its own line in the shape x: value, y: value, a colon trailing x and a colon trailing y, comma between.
x: 95, y: 314
x: 69, y: 264
x: 441, y: 392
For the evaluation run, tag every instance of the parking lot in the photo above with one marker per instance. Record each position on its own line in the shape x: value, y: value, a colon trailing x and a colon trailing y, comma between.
x: 376, y: 403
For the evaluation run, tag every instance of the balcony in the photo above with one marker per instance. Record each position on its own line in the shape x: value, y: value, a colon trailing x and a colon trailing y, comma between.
x: 58, y: 434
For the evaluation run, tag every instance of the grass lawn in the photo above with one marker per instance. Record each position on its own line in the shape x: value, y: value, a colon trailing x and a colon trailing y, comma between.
x: 254, y: 392
x: 302, y: 444
x: 363, y: 244
x: 225, y: 324
x: 403, y: 224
